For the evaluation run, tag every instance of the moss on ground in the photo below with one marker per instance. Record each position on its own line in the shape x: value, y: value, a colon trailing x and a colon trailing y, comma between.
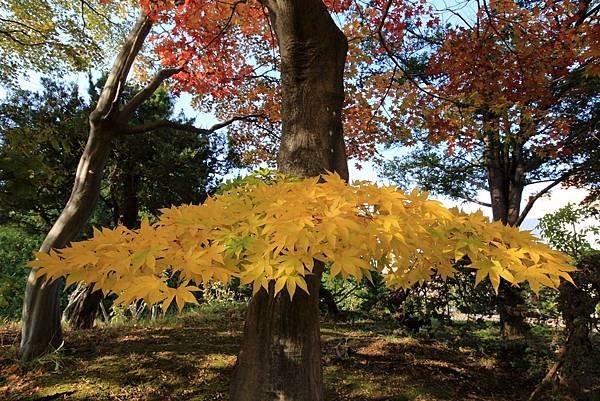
x: 191, y: 357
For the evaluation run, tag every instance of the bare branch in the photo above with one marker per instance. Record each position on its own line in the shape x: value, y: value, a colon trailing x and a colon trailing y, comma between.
x: 224, y: 124
x: 481, y: 203
x: 98, y: 13
x: 155, y: 125
x: 390, y: 53
x: 143, y: 128
x: 145, y: 93
x: 545, y: 190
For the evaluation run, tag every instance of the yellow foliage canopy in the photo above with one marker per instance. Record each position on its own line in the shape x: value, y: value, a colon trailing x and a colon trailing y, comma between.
x: 262, y: 232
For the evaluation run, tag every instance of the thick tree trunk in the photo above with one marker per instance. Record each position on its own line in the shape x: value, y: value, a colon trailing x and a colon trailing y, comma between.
x: 41, y: 330
x: 280, y: 357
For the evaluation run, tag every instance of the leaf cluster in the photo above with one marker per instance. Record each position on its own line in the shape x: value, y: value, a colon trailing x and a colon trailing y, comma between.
x: 274, y: 233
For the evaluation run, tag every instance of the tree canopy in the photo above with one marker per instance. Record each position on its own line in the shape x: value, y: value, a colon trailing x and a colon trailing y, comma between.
x: 262, y: 232
x: 57, y: 36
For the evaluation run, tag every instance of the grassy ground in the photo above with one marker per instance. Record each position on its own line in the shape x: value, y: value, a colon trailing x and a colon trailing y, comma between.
x: 192, y: 357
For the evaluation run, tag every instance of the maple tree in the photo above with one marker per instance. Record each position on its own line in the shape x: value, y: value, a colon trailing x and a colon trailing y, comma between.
x: 224, y: 52
x: 232, y: 67
x: 57, y: 37
x: 246, y: 233
x: 504, y: 101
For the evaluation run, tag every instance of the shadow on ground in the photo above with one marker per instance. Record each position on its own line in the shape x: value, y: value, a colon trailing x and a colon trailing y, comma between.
x: 192, y: 358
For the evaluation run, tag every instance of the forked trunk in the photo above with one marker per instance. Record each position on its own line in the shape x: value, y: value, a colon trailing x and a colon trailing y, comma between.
x: 506, y: 180
x: 280, y: 358
x: 41, y: 330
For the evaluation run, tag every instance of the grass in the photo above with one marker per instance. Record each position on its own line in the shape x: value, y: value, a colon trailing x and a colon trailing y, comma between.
x: 191, y: 357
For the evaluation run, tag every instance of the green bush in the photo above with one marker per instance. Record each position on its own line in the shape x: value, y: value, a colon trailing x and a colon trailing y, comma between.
x: 16, y: 248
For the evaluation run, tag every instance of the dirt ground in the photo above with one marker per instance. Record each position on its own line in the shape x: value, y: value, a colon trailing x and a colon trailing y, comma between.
x: 191, y: 357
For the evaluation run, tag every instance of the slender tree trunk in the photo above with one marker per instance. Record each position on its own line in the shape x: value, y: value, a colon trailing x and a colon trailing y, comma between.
x: 506, y: 183
x: 131, y: 203
x: 41, y: 329
x: 84, y: 302
x: 280, y: 357
x: 327, y: 297
x: 82, y: 307
x: 511, y: 299
x: 577, y: 305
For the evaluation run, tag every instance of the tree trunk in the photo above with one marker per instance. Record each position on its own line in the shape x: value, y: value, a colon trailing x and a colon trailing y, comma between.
x: 506, y: 181
x: 82, y: 307
x: 131, y: 203
x: 511, y: 308
x: 511, y: 299
x: 327, y: 297
x: 577, y: 305
x: 280, y: 357
x: 83, y: 304
x: 41, y: 330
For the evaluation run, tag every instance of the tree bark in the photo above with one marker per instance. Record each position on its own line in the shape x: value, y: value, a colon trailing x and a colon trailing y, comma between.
x: 327, y: 297
x: 577, y: 305
x: 82, y: 307
x: 41, y: 329
x: 83, y: 304
x: 506, y: 181
x: 280, y: 356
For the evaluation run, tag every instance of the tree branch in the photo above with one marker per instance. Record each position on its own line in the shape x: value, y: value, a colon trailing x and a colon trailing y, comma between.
x: 481, y: 203
x: 145, y: 93
x: 153, y: 126
x: 115, y: 82
x: 224, y: 124
x: 533, y: 199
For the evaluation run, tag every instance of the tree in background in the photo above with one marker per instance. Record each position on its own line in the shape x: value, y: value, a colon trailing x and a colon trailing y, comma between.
x: 42, y: 134
x: 57, y: 37
x: 504, y: 102
x: 16, y: 246
x: 574, y: 230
